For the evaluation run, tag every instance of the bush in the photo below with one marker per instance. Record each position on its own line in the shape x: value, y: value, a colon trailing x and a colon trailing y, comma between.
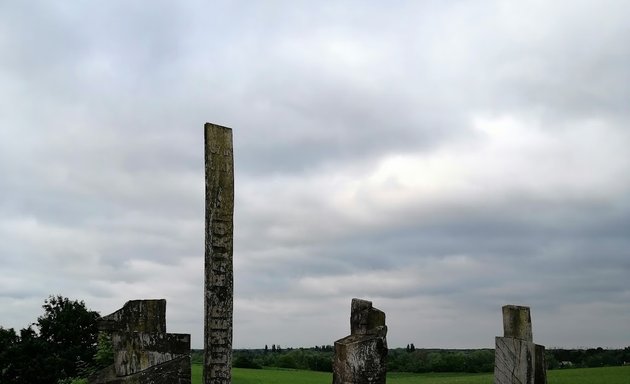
x: 104, y: 355
x: 287, y: 361
x: 245, y: 361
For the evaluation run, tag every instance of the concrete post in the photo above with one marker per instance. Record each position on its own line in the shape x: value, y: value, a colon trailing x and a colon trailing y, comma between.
x: 517, y: 360
x: 219, y: 285
x: 361, y: 357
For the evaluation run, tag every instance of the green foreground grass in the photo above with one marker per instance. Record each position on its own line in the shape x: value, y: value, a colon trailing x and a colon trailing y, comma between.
x: 607, y: 375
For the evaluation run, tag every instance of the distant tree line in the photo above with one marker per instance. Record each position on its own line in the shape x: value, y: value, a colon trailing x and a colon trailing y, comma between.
x: 317, y: 358
x: 587, y: 358
x: 411, y: 359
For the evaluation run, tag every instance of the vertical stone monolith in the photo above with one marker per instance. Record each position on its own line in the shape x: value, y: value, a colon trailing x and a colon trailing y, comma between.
x: 517, y: 360
x: 361, y: 357
x: 219, y: 286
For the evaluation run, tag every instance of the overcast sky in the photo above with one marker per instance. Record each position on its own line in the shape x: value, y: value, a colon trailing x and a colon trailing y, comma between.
x: 439, y: 158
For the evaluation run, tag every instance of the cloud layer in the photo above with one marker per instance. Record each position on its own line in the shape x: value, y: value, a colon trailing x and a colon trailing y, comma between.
x: 439, y: 158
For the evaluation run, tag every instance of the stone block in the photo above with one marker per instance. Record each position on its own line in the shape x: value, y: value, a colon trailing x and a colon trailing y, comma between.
x: 363, y: 317
x: 143, y: 352
x: 137, y: 351
x: 517, y: 359
x: 137, y: 316
x: 360, y: 358
x: 517, y: 322
x: 540, y: 365
x: 175, y: 371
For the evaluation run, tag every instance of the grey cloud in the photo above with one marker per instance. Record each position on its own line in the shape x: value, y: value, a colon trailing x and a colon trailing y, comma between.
x: 101, y: 158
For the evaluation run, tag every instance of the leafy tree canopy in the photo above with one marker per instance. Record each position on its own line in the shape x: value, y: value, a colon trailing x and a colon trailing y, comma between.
x: 63, y: 340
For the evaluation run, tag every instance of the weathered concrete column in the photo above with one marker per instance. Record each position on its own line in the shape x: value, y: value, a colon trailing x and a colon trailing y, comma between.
x: 143, y: 352
x: 517, y: 322
x: 361, y: 357
x: 517, y: 360
x: 219, y: 286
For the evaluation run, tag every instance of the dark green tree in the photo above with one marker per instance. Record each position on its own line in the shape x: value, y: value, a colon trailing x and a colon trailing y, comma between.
x: 8, y: 342
x: 245, y: 360
x: 54, y: 348
x: 71, y: 332
x: 32, y: 361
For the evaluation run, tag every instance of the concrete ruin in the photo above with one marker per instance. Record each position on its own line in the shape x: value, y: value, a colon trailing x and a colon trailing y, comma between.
x: 219, y: 281
x: 517, y: 360
x: 361, y: 357
x: 143, y: 352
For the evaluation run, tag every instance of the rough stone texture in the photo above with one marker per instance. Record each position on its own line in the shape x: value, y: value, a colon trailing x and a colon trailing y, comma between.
x: 176, y: 371
x: 540, y: 365
x: 361, y: 357
x: 137, y: 351
x: 517, y: 359
x: 219, y: 286
x: 143, y: 352
x: 363, y: 317
x: 517, y: 322
x: 137, y: 316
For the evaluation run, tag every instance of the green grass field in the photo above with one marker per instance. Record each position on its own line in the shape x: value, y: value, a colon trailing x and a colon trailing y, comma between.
x: 608, y: 375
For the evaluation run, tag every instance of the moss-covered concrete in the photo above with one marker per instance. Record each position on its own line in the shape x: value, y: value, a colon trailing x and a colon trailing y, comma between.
x: 517, y: 359
x: 143, y: 352
x: 360, y: 358
x: 219, y: 280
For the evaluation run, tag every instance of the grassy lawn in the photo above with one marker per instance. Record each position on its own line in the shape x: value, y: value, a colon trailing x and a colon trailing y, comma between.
x: 439, y: 378
x: 608, y: 375
x: 269, y: 376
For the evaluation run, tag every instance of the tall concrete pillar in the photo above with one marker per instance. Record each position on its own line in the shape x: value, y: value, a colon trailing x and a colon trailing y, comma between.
x: 219, y: 282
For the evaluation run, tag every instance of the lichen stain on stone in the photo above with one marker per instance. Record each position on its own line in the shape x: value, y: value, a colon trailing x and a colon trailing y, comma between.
x: 360, y: 358
x: 143, y: 352
x: 517, y: 359
x: 219, y: 196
